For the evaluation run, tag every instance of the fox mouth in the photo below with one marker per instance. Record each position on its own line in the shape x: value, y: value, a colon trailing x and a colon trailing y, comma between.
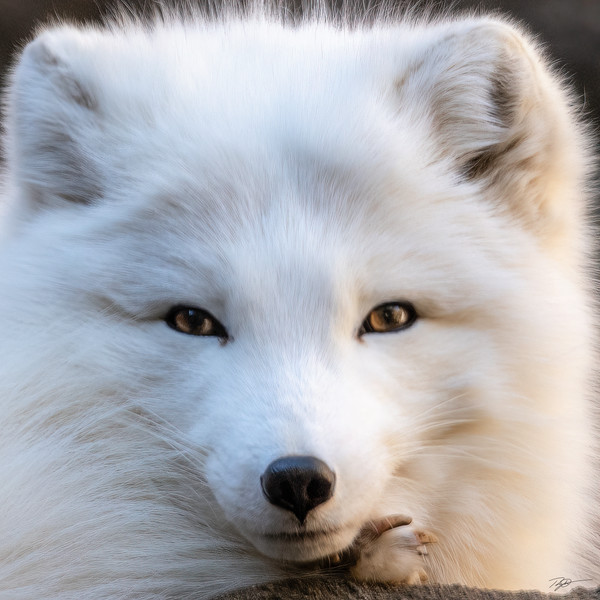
x: 300, y: 536
x: 347, y: 556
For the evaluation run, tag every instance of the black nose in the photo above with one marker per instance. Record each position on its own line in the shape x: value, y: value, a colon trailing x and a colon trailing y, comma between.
x: 298, y: 484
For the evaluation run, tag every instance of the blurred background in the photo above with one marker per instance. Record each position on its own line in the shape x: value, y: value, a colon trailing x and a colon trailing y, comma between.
x: 570, y: 29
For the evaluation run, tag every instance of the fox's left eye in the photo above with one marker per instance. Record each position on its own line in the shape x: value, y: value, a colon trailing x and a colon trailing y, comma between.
x: 195, y: 321
x: 392, y: 316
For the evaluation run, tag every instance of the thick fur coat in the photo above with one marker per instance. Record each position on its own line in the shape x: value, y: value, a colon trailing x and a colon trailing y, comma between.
x: 231, y: 240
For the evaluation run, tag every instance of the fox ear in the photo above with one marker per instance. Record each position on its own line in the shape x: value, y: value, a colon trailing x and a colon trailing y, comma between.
x: 503, y: 119
x: 53, y: 122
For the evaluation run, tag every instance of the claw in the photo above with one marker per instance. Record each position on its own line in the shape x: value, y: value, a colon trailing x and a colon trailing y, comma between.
x: 426, y: 537
x: 372, y: 530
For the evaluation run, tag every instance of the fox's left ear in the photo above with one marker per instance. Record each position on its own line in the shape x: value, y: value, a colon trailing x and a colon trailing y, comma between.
x: 504, y: 120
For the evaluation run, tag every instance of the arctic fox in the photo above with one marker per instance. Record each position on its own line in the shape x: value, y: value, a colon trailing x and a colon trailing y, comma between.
x: 285, y: 298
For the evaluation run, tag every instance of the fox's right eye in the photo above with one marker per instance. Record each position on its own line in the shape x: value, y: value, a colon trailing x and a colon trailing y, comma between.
x: 195, y: 321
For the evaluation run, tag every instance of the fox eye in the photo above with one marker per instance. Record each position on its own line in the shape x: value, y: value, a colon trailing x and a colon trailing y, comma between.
x: 195, y: 321
x: 385, y: 318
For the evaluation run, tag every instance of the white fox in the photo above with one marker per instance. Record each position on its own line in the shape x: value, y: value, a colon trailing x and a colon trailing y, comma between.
x: 282, y: 296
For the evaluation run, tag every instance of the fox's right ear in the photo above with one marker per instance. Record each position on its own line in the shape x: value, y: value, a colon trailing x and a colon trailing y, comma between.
x: 54, y: 122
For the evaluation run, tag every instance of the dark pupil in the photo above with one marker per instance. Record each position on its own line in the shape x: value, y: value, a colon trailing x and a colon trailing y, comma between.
x: 193, y: 321
x: 392, y: 315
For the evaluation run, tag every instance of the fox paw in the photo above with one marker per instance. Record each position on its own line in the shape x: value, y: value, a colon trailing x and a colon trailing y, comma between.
x: 394, y: 556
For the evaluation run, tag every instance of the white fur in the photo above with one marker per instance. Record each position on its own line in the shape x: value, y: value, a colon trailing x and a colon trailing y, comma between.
x: 288, y: 180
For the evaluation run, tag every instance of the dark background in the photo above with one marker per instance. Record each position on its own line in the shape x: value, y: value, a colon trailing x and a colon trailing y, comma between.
x: 570, y: 29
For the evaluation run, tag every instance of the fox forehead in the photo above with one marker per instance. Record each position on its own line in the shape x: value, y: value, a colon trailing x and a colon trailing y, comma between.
x: 310, y: 90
